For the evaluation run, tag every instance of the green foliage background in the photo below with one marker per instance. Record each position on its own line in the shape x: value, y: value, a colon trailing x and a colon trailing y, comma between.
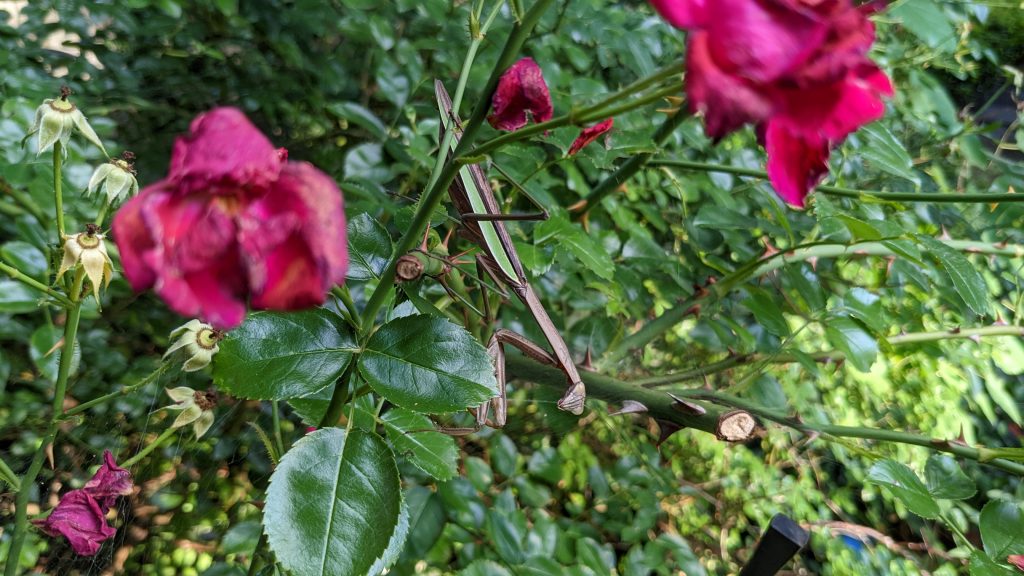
x: 348, y: 85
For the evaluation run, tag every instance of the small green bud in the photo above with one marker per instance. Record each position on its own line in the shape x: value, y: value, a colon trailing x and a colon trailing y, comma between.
x: 56, y: 119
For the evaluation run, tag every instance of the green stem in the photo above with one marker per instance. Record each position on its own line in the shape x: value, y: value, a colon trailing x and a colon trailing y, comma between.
x: 102, y: 213
x: 124, y: 391
x: 631, y: 166
x: 832, y: 356
x: 434, y: 193
x: 762, y: 266
x: 35, y: 284
x: 67, y: 353
x: 149, y: 448
x: 278, y: 438
x: 659, y: 405
x: 255, y: 563
x: 342, y: 293
x: 58, y: 195
x: 605, y: 109
x: 9, y: 476
x: 339, y: 397
x: 797, y: 423
x: 848, y: 192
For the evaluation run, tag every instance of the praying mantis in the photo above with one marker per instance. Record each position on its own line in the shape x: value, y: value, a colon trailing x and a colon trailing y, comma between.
x: 483, y: 224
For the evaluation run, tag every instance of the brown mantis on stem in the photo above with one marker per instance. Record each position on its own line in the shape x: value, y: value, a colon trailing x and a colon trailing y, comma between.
x: 483, y: 224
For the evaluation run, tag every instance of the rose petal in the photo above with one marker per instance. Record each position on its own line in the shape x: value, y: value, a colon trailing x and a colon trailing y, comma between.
x: 727, y: 101
x: 588, y: 135
x: 133, y: 238
x: 80, y: 519
x: 223, y: 154
x: 795, y: 164
x: 109, y: 482
x: 521, y: 90
x: 681, y: 13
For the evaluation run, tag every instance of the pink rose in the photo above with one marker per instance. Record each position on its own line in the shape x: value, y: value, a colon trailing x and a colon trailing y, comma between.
x: 233, y: 224
x: 521, y: 90
x: 796, y: 68
x: 588, y: 135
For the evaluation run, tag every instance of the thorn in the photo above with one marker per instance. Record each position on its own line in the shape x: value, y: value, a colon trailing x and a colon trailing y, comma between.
x: 687, y: 407
x: 769, y: 249
x: 667, y: 429
x: 629, y: 407
x: 426, y: 234
x: 49, y: 455
x: 945, y: 234
x: 579, y: 206
x: 813, y: 261
x: 588, y: 361
x: 57, y: 346
x: 447, y: 237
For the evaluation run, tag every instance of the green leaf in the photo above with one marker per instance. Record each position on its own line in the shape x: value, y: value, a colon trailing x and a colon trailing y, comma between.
x: 44, y: 354
x: 925, y: 19
x: 276, y: 355
x: 433, y: 452
x: 359, y: 116
x: 883, y: 150
x: 902, y: 483
x: 982, y: 565
x: 428, y: 365
x: 1002, y: 529
x: 859, y: 347
x: 966, y: 278
x: 485, y: 568
x: 369, y: 248
x: 25, y: 257
x: 16, y: 298
x: 864, y: 306
x: 768, y: 313
x: 333, y: 504
x: 585, y: 247
x: 946, y: 480
x: 507, y: 538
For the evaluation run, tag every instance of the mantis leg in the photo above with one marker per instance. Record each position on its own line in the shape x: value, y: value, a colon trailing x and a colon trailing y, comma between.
x: 494, y: 412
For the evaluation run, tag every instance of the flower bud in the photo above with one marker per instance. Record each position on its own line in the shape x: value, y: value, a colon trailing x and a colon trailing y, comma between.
x: 88, y: 249
x: 196, y: 342
x: 56, y: 119
x: 116, y: 178
x: 196, y: 408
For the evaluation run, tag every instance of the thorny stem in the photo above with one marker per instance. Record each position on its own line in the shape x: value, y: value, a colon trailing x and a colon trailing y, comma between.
x: 67, y: 353
x: 35, y: 284
x: 154, y: 375
x: 761, y: 266
x: 339, y: 397
x: 848, y: 192
x: 434, y: 192
x: 831, y: 356
x: 149, y: 448
x: 659, y: 405
x: 797, y: 423
x: 631, y: 166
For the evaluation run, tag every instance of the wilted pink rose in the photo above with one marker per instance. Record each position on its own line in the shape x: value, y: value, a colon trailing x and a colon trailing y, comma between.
x: 1017, y: 560
x: 521, y: 90
x: 796, y: 68
x: 80, y: 519
x: 588, y: 135
x: 233, y: 224
x: 81, y: 515
x: 109, y: 482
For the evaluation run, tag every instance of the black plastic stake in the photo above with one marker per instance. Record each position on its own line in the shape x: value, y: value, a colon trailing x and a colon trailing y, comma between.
x: 779, y: 543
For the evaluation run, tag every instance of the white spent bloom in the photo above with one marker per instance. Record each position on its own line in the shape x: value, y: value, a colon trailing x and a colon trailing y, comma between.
x: 88, y: 249
x: 56, y: 119
x: 196, y: 342
x: 196, y: 408
x: 116, y: 179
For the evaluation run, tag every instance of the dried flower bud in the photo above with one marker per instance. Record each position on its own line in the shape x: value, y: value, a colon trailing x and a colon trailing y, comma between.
x: 56, y: 119
x: 196, y: 342
x: 88, y: 249
x: 196, y: 408
x: 117, y: 179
